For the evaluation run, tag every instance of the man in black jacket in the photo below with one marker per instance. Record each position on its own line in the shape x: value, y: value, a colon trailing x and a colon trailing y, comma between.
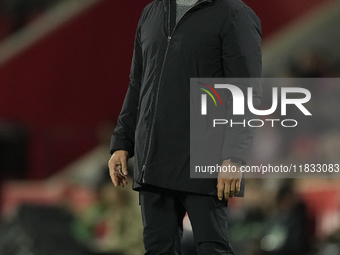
x: 177, y: 40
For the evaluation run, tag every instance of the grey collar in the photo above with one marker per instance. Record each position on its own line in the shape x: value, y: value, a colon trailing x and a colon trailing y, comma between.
x: 197, y: 1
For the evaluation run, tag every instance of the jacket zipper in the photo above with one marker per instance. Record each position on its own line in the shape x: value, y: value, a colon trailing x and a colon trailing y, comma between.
x: 142, y: 179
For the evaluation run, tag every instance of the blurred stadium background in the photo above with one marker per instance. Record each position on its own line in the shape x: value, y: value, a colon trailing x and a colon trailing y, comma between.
x: 64, y: 67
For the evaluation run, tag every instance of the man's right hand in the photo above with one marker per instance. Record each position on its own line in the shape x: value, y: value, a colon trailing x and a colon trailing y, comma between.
x: 118, y: 167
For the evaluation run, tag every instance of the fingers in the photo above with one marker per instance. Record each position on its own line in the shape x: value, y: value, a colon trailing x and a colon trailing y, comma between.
x: 223, y: 189
x: 238, y: 186
x: 220, y: 189
x: 121, y: 182
x: 118, y: 179
x: 114, y: 179
x: 232, y: 189
x: 112, y: 170
x: 121, y: 178
x: 228, y: 188
x: 113, y: 175
x: 118, y: 168
x: 229, y: 183
x: 235, y: 187
x: 124, y: 167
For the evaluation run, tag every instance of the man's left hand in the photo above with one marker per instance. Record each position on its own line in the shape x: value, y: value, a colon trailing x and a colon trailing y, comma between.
x: 229, y: 183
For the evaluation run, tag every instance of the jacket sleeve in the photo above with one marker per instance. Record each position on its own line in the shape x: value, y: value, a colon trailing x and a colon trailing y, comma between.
x: 242, y: 58
x: 123, y: 137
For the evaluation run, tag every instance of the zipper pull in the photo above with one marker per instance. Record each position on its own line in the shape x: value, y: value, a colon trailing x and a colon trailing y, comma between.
x: 143, y: 172
x: 169, y: 38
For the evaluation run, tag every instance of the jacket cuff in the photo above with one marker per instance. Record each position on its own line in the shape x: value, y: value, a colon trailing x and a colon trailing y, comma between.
x: 229, y: 152
x: 117, y: 144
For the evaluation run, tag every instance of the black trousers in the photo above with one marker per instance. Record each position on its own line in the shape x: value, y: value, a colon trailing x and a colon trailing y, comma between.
x: 163, y: 211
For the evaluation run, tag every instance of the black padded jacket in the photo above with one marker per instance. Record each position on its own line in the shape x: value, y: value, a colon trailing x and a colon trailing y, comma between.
x: 215, y: 38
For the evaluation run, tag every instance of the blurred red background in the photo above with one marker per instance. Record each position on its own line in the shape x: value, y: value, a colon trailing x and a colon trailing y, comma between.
x: 64, y: 85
